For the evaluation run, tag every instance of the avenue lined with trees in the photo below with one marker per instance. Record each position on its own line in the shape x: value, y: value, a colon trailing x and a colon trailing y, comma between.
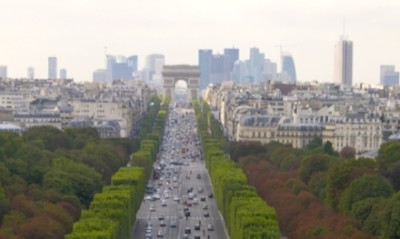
x: 246, y: 215
x: 112, y: 212
x: 50, y: 178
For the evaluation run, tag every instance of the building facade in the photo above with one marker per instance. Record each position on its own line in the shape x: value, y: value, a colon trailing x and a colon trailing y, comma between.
x: 52, y: 68
x: 344, y: 63
x: 388, y: 75
x: 288, y: 72
x: 3, y: 72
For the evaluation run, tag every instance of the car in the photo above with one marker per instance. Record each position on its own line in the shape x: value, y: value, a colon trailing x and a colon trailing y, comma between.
x: 197, y: 236
x: 200, y: 190
x: 185, y: 236
x: 163, y: 203
x: 205, y: 206
x: 187, y: 230
x: 198, y: 176
x: 152, y: 208
x: 176, y: 198
x: 173, y: 223
x: 210, y: 227
x: 206, y: 214
x: 161, y: 217
x: 203, y: 199
x: 162, y: 223
x: 160, y: 234
x: 197, y: 227
x: 148, y: 235
x: 211, y: 195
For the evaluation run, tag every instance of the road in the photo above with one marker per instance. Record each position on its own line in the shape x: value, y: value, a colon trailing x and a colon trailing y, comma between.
x: 180, y: 169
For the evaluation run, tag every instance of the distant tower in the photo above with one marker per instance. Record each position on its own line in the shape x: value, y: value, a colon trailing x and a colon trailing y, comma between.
x: 30, y: 73
x: 344, y: 63
x: 52, y: 68
x: 389, y: 77
x: 288, y: 69
x: 205, y: 56
x: 63, y: 74
x: 3, y: 72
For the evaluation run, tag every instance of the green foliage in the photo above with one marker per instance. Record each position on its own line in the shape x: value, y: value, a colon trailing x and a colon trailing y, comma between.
x: 4, y: 203
x: 315, y: 146
x: 392, y: 219
x: 341, y: 175
x: 312, y: 164
x: 389, y: 154
x: 51, y: 137
x: 366, y: 186
x: 328, y: 149
x: 245, y: 214
x: 75, y: 178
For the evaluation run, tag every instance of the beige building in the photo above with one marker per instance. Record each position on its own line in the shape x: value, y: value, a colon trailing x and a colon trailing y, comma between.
x: 361, y: 133
x: 102, y: 110
x: 298, y: 135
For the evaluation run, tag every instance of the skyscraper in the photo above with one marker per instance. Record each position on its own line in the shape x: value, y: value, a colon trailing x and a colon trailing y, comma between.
x: 232, y: 55
x: 389, y: 77
x: 204, y: 65
x: 63, y: 74
x: 30, y: 73
x: 120, y: 67
x: 3, y: 72
x: 288, y: 68
x: 52, y: 67
x: 344, y: 63
x: 256, y: 66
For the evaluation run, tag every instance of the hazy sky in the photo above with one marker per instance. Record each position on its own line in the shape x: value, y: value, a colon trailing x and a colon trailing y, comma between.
x: 77, y: 31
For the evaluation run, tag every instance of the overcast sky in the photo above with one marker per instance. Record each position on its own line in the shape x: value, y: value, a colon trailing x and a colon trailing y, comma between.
x: 77, y: 32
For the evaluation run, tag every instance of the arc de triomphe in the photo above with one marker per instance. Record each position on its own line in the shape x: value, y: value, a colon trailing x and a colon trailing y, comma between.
x: 189, y: 74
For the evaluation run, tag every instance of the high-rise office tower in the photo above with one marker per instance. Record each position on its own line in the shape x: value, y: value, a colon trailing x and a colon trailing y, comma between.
x: 389, y: 77
x: 344, y: 63
x: 152, y: 73
x: 256, y: 66
x: 270, y: 70
x: 232, y: 55
x: 100, y: 76
x: 63, y: 74
x: 218, y: 65
x: 204, y: 65
x: 30, y: 73
x: 288, y: 68
x: 3, y: 72
x: 120, y: 67
x: 52, y: 67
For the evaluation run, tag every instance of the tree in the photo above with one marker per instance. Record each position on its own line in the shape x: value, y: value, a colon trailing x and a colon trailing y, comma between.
x: 389, y: 154
x: 392, y: 219
x: 366, y: 186
x: 347, y: 152
x: 328, y: 149
x: 312, y: 164
x: 4, y: 203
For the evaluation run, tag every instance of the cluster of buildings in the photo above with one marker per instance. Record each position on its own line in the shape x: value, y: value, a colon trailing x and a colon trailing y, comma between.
x: 362, y: 117
x: 126, y: 68
x: 115, y: 110
x: 217, y: 68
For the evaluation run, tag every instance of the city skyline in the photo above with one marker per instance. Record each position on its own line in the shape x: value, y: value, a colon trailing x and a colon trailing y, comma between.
x: 80, y: 33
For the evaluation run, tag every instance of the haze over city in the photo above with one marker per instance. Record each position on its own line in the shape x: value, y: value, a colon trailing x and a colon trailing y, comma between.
x: 79, y: 33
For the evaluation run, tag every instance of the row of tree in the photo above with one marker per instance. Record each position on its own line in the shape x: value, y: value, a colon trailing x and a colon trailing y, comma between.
x: 246, y: 215
x: 319, y: 193
x: 112, y: 213
x: 47, y: 176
